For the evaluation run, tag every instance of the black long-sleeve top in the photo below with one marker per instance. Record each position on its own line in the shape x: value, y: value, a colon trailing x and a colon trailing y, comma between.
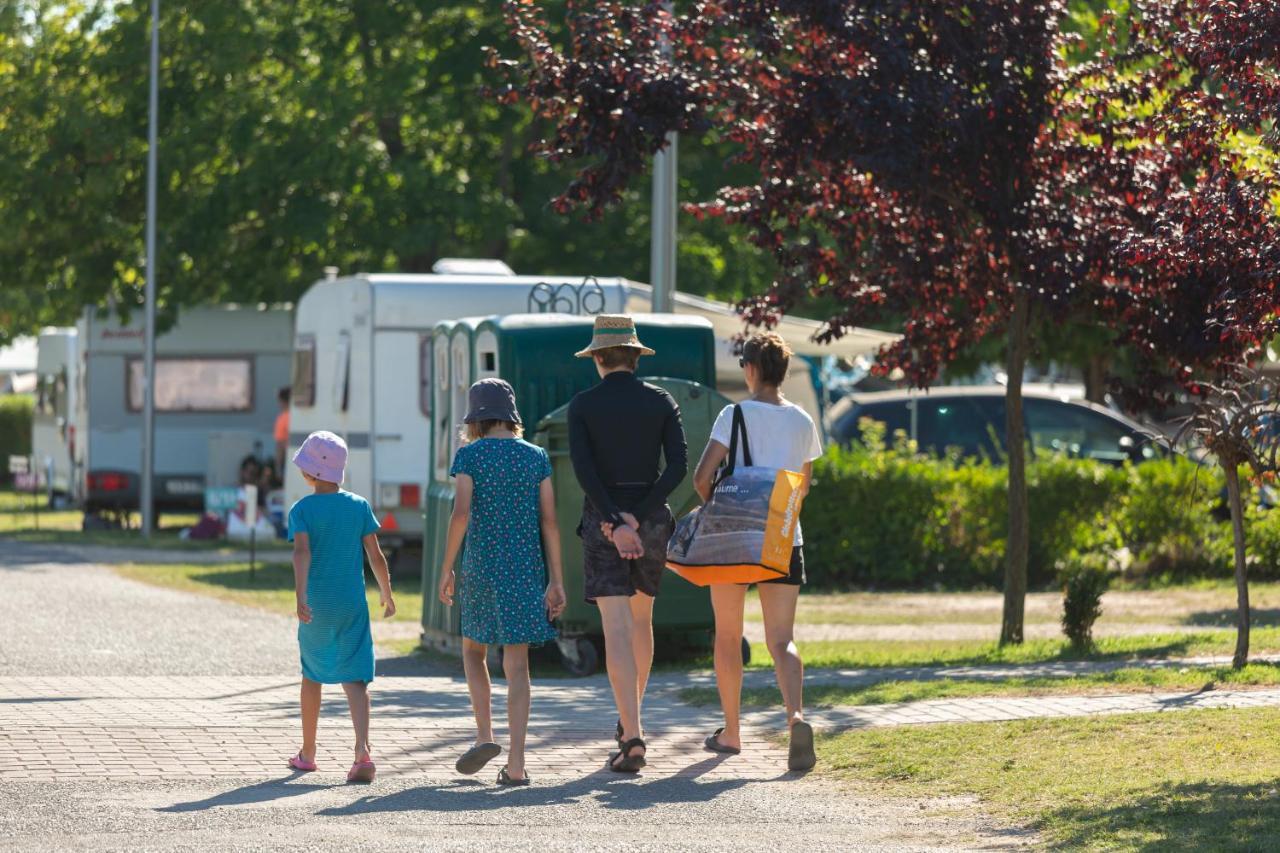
x: 617, y: 431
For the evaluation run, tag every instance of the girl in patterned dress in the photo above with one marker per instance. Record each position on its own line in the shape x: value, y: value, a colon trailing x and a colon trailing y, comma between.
x: 332, y: 531
x: 505, y: 507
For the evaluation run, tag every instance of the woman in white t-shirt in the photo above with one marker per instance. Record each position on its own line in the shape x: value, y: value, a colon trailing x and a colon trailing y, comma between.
x: 781, y: 435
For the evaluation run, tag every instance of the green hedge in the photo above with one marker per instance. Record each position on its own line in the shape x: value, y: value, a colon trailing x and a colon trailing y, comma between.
x: 15, y: 430
x: 883, y: 516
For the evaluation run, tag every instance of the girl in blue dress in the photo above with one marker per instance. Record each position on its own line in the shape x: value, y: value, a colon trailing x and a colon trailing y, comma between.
x: 505, y: 507
x: 332, y: 531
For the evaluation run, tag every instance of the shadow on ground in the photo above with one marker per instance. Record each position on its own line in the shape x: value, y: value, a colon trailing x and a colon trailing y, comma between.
x: 259, y: 792
x: 1259, y: 618
x: 609, y: 790
x: 1199, y: 816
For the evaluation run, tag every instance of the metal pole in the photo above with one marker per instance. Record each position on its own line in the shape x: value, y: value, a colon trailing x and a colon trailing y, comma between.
x: 662, y: 253
x: 662, y: 245
x: 149, y: 342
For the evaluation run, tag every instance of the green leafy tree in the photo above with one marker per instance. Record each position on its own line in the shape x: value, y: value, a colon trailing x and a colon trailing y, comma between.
x: 293, y: 136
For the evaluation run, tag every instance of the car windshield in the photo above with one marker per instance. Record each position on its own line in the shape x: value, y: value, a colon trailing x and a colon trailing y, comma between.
x: 1079, y: 431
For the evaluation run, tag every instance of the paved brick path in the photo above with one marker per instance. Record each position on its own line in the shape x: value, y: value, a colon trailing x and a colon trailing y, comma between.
x: 121, y: 727
x: 991, y: 709
x: 137, y: 718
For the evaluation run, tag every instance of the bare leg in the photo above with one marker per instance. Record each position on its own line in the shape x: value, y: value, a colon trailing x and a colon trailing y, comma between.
x: 310, y: 717
x: 515, y: 664
x: 642, y: 644
x: 358, y: 700
x: 778, y: 601
x: 475, y: 665
x: 615, y: 614
x: 727, y: 600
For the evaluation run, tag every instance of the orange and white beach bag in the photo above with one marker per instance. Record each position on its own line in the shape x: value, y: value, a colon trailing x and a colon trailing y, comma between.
x: 746, y: 532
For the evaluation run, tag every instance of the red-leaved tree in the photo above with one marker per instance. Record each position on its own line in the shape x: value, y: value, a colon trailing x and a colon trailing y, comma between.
x: 1194, y: 281
x: 927, y: 161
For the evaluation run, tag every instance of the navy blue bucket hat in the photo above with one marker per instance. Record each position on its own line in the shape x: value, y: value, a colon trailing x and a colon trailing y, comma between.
x: 491, y: 400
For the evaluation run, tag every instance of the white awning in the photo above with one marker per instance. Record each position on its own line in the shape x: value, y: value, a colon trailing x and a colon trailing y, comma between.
x: 797, y: 331
x: 19, y: 356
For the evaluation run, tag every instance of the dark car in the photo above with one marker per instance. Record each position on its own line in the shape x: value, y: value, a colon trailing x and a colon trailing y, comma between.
x: 971, y: 419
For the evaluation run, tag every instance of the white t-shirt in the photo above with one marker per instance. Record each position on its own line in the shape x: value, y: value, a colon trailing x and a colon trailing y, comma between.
x: 780, y: 437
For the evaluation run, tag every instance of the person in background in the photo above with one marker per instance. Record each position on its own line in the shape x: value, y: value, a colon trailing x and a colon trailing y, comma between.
x: 505, y: 507
x: 332, y: 531
x: 281, y: 431
x: 250, y: 471
x: 781, y: 435
x: 268, y: 481
x: 628, y: 450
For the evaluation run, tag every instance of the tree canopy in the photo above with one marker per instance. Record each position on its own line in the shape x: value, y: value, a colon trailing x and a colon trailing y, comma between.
x: 293, y: 136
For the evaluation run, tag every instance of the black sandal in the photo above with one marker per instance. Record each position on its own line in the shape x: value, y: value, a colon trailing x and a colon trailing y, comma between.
x: 504, y: 778
x: 800, y: 755
x: 475, y: 758
x: 629, y: 763
x: 713, y: 743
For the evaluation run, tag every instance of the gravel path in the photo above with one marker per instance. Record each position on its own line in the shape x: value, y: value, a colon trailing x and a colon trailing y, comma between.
x: 138, y: 718
x: 63, y: 617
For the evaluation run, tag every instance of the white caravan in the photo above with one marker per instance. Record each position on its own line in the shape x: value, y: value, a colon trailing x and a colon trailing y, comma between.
x: 360, y: 346
x: 53, y: 433
x: 218, y: 372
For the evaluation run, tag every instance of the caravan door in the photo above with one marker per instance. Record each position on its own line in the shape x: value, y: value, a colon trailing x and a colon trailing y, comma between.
x: 402, y: 403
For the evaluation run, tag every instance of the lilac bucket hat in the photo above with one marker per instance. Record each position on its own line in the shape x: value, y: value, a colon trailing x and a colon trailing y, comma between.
x: 323, y: 455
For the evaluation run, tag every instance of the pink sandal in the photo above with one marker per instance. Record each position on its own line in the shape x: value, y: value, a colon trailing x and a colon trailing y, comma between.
x: 361, y: 772
x: 303, y: 764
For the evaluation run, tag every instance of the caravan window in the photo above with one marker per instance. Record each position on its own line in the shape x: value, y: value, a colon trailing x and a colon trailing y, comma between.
x: 342, y: 372
x: 304, y: 371
x: 424, y: 374
x: 195, y: 384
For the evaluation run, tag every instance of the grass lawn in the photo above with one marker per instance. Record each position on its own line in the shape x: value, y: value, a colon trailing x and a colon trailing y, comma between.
x: 1190, y: 780
x: 1120, y: 681
x: 858, y: 654
x: 270, y: 588
x: 1200, y: 602
x: 63, y: 526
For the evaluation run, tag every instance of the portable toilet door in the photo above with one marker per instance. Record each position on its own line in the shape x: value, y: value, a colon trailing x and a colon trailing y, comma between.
x: 462, y: 365
x: 487, y: 364
x: 441, y: 626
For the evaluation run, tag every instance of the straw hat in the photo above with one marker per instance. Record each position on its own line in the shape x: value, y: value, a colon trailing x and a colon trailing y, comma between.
x: 614, y: 330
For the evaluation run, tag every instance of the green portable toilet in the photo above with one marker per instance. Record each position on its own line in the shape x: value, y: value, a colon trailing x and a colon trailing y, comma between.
x: 534, y: 352
x: 439, y: 503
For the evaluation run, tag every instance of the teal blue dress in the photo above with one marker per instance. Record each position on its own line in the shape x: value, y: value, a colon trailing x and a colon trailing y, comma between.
x: 336, y: 645
x: 503, y: 577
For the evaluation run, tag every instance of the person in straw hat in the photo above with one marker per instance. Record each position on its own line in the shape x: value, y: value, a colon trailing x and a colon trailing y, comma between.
x: 629, y: 454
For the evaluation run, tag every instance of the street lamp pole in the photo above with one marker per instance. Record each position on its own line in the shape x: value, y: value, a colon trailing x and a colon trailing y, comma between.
x: 149, y: 338
x: 662, y: 242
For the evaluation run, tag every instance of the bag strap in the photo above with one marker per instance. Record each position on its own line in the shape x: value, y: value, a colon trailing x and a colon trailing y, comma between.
x: 739, y: 430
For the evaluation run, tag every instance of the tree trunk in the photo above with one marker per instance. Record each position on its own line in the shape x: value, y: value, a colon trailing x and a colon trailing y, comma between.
x: 1017, y: 544
x: 1242, y: 580
x: 1095, y: 377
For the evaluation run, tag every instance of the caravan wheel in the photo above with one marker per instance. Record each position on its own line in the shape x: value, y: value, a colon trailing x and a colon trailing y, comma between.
x: 579, y: 656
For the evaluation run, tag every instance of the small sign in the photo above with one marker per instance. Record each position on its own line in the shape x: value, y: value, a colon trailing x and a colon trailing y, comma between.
x: 251, y: 506
x: 221, y: 500
x: 19, y: 464
x: 27, y: 481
